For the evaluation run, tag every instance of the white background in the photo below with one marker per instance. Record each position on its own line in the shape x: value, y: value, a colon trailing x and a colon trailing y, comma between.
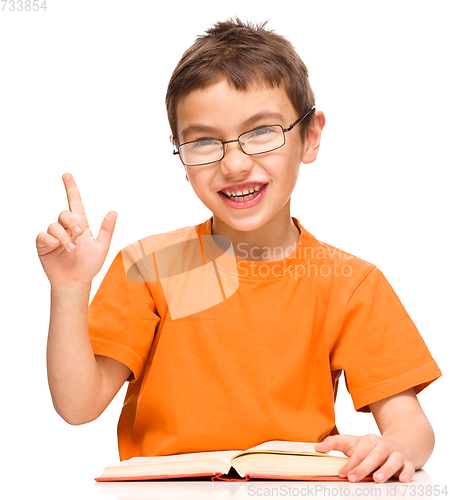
x: 82, y: 90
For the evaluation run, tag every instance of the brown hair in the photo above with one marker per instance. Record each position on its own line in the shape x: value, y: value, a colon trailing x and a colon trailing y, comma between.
x: 244, y: 54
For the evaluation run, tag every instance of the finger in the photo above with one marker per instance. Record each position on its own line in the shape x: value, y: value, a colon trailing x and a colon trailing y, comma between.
x: 341, y: 442
x: 407, y: 472
x: 70, y: 222
x: 389, y: 466
x: 45, y: 242
x: 58, y: 232
x: 395, y: 465
x: 367, y: 446
x: 73, y: 195
x: 106, y: 230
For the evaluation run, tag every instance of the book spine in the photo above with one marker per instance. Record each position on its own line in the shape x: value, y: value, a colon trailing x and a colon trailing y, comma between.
x: 220, y: 477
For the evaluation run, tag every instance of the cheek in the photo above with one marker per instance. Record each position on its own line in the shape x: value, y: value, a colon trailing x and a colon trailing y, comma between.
x: 286, y: 166
x: 200, y: 181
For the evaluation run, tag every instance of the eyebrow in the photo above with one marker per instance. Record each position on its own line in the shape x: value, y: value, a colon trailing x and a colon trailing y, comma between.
x: 197, y: 127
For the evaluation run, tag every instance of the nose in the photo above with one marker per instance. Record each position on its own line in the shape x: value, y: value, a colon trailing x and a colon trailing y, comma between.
x: 235, y: 160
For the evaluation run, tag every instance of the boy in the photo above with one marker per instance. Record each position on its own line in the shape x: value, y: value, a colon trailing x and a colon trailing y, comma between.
x: 236, y: 330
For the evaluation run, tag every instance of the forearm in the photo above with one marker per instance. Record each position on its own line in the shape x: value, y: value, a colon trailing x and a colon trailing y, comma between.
x: 73, y: 374
x: 406, y: 442
x: 411, y: 433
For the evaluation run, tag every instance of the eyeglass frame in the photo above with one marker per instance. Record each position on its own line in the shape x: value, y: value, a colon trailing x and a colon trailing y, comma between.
x: 288, y: 129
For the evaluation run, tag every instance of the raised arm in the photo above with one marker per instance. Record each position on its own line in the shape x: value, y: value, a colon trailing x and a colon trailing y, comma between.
x: 81, y: 384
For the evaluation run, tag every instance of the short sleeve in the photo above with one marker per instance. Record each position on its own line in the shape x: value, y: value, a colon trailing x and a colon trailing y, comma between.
x: 122, y: 319
x: 379, y: 347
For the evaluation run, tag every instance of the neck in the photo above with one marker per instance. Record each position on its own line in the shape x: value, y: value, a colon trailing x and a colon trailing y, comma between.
x: 275, y: 240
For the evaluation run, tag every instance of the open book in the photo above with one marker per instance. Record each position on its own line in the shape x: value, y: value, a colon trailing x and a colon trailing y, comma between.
x: 271, y: 460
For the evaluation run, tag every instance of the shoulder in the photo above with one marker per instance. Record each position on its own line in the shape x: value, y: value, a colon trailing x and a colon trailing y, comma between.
x: 353, y: 281
x: 334, y: 272
x: 166, y: 248
x: 326, y: 255
x: 154, y: 242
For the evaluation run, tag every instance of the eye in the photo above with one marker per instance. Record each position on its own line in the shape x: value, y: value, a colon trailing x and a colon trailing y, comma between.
x: 262, y: 131
x: 204, y: 142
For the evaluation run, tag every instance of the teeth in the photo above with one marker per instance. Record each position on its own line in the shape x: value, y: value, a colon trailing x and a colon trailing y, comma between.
x: 245, y: 191
x: 242, y: 198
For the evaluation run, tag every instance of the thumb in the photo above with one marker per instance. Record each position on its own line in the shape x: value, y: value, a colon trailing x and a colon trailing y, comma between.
x: 106, y: 230
x: 340, y: 442
x: 325, y: 446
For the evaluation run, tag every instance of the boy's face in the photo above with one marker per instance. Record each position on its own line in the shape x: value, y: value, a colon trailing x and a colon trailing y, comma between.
x: 221, y: 112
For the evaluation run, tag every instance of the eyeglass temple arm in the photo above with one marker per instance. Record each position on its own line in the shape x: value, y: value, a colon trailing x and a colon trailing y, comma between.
x: 175, y: 151
x: 312, y: 108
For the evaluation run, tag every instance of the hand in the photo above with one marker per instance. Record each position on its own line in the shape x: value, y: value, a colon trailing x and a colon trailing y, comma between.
x: 369, y: 453
x: 71, y: 257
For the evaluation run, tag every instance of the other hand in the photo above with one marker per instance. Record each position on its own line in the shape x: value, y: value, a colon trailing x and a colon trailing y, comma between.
x: 369, y: 453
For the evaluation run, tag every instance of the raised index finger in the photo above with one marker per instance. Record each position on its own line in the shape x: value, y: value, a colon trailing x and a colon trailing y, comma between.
x: 73, y: 195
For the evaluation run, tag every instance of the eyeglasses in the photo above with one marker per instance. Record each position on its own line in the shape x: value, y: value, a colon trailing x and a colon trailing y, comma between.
x: 257, y: 141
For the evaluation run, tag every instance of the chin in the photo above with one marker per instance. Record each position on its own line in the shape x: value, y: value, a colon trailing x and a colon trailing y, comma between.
x: 246, y: 223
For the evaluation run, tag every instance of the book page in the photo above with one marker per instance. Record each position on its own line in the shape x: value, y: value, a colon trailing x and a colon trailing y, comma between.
x: 293, y: 447
x: 223, y: 456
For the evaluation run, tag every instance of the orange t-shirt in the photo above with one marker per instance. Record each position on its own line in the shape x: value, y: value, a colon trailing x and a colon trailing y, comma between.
x: 226, y: 353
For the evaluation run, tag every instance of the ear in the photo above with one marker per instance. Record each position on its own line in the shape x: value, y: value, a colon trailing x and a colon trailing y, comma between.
x: 312, y: 142
x: 170, y: 138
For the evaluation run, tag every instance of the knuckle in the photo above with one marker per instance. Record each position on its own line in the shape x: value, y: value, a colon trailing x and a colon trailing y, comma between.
x: 397, y: 458
x: 379, y: 454
x: 359, y: 455
x: 63, y: 215
x: 372, y: 438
